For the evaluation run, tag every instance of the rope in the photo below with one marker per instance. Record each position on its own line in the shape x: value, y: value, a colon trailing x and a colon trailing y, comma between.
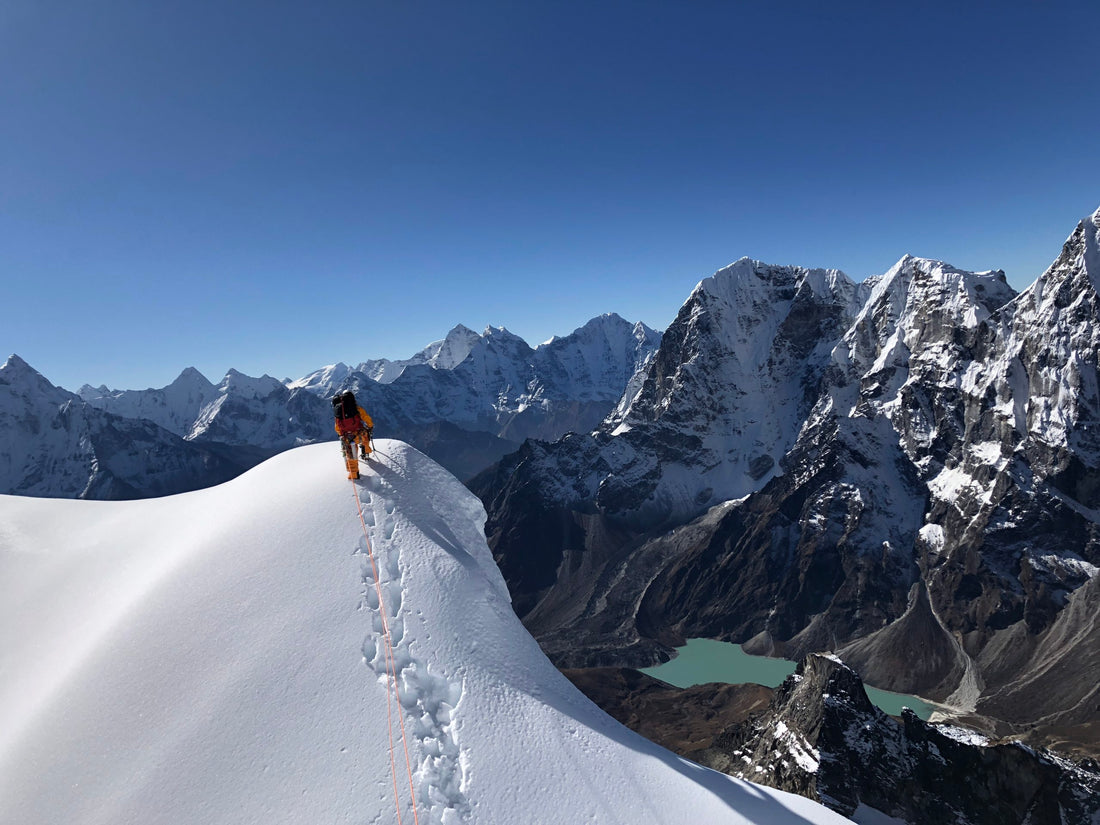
x: 391, y: 669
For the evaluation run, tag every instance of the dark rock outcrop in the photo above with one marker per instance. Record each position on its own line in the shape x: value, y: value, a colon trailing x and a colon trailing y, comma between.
x: 818, y: 735
x: 821, y: 737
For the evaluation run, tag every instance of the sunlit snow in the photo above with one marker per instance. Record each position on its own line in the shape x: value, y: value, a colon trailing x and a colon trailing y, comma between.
x: 216, y: 657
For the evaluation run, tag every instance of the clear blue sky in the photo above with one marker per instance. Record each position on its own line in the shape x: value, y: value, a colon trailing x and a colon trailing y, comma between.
x: 276, y: 186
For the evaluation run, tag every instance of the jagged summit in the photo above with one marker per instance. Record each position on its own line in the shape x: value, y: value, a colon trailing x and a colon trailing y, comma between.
x: 594, y: 323
x: 451, y: 351
x: 610, y: 326
x: 745, y: 272
x: 14, y: 362
x: 1075, y: 271
x: 191, y: 374
x: 502, y: 334
x: 87, y: 391
x: 20, y: 377
x: 725, y: 394
x: 248, y: 385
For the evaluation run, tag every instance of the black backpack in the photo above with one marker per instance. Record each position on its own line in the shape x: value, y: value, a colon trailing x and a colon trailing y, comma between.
x: 344, y: 406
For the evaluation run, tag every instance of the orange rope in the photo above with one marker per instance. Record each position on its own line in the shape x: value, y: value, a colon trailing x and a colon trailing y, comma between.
x: 391, y: 668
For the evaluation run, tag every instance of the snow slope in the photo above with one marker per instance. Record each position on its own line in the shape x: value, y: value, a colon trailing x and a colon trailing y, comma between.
x: 214, y: 657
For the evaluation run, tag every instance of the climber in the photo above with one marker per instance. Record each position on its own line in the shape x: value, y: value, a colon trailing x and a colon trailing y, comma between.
x: 354, y: 426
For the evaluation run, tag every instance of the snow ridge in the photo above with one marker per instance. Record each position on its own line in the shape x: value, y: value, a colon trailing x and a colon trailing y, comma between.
x: 228, y: 669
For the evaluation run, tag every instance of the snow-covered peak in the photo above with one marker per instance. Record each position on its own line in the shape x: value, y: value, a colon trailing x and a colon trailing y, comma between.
x: 603, y: 327
x: 21, y: 379
x: 501, y: 335
x: 595, y: 361
x: 270, y: 598
x: 1072, y: 278
x: 1052, y: 331
x: 245, y: 386
x: 1091, y: 253
x: 16, y: 369
x: 451, y: 351
x: 16, y: 365
x: 723, y: 398
x: 191, y: 379
x: 323, y: 381
x: 917, y: 304
x: 748, y: 282
x: 609, y: 326
x: 645, y: 332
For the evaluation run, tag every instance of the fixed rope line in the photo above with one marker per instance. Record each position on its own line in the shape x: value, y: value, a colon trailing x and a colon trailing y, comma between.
x: 391, y: 668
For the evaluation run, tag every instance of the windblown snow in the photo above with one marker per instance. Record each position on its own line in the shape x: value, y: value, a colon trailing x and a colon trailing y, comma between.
x: 216, y: 657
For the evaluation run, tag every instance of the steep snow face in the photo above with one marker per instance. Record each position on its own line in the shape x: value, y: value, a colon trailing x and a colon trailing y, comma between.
x: 451, y: 351
x: 25, y: 382
x: 37, y: 455
x: 596, y: 361
x: 229, y: 666
x: 726, y: 394
x: 919, y: 303
x: 324, y: 381
x: 892, y: 382
x: 499, y: 361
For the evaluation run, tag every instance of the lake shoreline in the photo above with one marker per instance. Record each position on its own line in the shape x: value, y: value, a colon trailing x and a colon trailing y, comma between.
x: 701, y: 661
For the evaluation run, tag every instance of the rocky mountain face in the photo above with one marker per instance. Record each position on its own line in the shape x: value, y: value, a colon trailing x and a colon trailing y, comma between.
x: 466, y: 400
x: 818, y: 735
x: 54, y: 444
x: 905, y: 471
x: 821, y: 737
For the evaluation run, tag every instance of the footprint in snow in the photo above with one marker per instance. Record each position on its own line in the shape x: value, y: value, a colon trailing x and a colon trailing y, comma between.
x: 429, y: 699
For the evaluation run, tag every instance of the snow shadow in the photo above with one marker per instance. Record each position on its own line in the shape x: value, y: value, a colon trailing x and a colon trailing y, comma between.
x: 746, y: 799
x: 433, y: 524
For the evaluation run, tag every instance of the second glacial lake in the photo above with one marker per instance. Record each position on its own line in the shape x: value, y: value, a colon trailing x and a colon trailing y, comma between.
x: 706, y: 660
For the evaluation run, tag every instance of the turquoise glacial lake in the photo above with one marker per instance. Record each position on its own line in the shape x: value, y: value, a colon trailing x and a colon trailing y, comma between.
x: 706, y: 660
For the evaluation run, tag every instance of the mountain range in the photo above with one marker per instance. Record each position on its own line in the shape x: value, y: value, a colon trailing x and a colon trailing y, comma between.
x: 466, y: 400
x: 904, y: 471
